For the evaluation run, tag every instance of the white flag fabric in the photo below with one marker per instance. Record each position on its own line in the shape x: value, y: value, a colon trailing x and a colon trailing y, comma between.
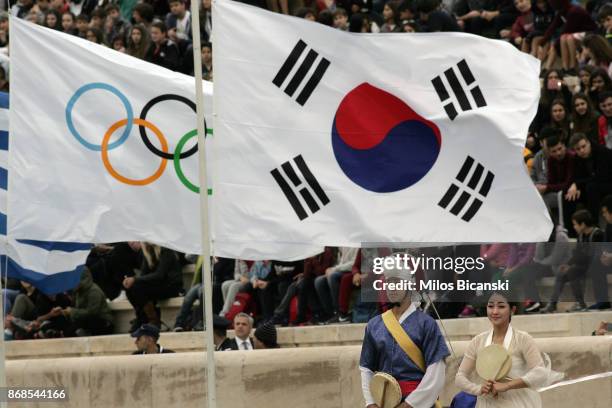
x: 330, y: 138
x: 52, y: 267
x: 103, y: 145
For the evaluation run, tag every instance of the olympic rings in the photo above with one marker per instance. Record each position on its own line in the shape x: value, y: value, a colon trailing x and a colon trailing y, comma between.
x: 143, y: 131
x: 143, y: 125
x: 114, y: 173
x: 113, y: 90
x: 177, y: 161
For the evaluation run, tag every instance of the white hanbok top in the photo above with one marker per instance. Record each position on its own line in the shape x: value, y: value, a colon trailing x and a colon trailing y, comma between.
x: 527, y: 363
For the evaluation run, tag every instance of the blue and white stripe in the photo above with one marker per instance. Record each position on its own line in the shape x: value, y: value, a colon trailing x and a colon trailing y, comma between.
x: 52, y: 267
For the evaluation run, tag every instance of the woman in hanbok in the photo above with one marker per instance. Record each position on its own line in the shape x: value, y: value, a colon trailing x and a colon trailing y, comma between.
x: 530, y: 369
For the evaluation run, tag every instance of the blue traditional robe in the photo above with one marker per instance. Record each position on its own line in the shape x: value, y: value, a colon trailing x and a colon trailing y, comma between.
x: 380, y: 351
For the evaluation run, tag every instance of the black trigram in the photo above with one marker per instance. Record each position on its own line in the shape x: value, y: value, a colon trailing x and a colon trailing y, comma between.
x: 458, y: 90
x: 476, y: 189
x: 297, y: 179
x: 300, y: 74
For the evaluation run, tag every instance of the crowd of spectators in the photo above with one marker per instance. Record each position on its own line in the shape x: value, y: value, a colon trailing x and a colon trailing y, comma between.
x: 560, y: 33
x: 568, y: 154
x: 323, y: 289
x: 157, y: 31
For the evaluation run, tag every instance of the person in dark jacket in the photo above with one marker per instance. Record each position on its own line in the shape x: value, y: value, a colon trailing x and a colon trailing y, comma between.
x: 90, y: 314
x: 32, y: 308
x: 160, y: 278
x: 147, y: 336
x: 486, y: 17
x: 21, y: 8
x: 115, y: 26
x: 243, y: 325
x: 592, y: 175
x: 163, y: 52
x: 222, y: 343
x: 433, y: 18
x: 602, y: 262
x: 178, y: 21
x: 223, y: 270
x: 576, y: 268
x: 584, y: 117
x: 110, y: 264
x: 560, y: 169
x: 303, y: 288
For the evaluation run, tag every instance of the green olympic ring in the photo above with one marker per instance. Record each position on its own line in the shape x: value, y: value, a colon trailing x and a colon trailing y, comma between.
x: 177, y: 161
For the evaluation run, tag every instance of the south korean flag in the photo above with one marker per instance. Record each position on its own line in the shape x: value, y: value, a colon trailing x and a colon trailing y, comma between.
x: 329, y: 138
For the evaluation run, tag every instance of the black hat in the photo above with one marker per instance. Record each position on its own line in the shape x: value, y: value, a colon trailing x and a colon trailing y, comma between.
x: 266, y: 333
x: 220, y: 322
x: 147, y: 330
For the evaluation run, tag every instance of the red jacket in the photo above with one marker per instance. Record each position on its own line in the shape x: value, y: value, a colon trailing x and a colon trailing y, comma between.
x: 560, y: 173
x: 522, y: 26
x: 570, y: 19
x: 602, y: 124
x: 316, y: 265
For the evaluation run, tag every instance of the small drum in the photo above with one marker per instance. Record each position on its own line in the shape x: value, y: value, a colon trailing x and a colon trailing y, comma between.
x: 385, y: 390
x: 493, y: 363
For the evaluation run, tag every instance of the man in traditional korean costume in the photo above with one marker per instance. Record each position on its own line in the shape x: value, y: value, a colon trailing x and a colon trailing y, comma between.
x: 407, y: 344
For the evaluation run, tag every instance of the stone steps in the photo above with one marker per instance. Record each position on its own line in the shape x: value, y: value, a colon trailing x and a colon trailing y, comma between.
x: 123, y: 311
x: 539, y: 326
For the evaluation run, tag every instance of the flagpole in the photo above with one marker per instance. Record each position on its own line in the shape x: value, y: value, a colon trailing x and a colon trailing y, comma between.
x: 3, y: 404
x: 206, y: 264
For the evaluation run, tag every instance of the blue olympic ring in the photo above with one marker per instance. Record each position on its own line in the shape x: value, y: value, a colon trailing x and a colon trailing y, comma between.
x: 113, y: 90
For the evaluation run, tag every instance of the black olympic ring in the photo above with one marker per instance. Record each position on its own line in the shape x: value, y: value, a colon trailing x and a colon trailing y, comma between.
x: 143, y: 130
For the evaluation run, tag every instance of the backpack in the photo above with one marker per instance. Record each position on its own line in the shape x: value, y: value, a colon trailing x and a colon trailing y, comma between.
x: 241, y: 302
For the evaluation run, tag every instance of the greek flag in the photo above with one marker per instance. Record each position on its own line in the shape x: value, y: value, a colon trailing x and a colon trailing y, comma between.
x: 52, y: 267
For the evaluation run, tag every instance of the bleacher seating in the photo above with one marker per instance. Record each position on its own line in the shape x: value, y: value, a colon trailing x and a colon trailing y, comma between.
x: 123, y: 311
x: 553, y: 326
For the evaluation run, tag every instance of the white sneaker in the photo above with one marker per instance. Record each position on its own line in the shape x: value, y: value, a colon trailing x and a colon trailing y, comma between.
x: 122, y: 296
x: 577, y: 308
x: 533, y: 308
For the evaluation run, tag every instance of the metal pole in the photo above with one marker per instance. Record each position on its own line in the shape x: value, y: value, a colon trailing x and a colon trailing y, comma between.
x: 3, y: 404
x: 206, y: 265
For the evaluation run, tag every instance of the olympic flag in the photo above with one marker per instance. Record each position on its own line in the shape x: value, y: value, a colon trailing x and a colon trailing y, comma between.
x: 103, y: 145
x: 331, y: 138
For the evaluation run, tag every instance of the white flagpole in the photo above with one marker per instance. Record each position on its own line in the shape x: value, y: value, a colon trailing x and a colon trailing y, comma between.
x: 3, y: 404
x: 206, y: 264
